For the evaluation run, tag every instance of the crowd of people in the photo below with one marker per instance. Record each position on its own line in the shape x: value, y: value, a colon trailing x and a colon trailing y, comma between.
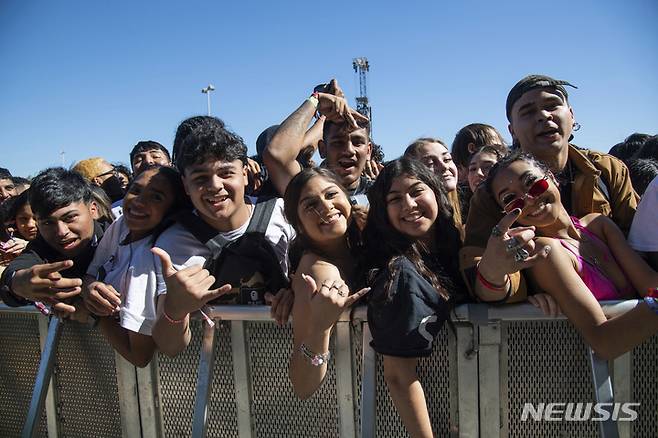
x: 137, y: 250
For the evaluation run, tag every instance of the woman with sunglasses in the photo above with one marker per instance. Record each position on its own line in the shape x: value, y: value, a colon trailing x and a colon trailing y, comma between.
x: 589, y: 258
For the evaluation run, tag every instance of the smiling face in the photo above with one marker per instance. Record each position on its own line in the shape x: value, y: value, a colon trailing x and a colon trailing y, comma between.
x: 479, y: 167
x: 151, y: 156
x: 542, y: 122
x: 7, y: 189
x: 515, y: 181
x: 147, y: 202
x: 324, y: 210
x: 438, y: 158
x: 68, y: 230
x: 26, y: 224
x: 411, y: 207
x: 346, y: 152
x: 216, y: 189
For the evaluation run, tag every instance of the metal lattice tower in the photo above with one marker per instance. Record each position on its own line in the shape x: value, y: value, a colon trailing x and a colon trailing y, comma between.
x: 361, y: 68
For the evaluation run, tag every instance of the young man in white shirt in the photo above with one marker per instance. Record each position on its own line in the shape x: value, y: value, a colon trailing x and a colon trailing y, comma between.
x: 212, y: 161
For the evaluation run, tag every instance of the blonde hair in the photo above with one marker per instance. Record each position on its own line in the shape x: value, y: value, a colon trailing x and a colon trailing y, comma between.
x: 91, y: 167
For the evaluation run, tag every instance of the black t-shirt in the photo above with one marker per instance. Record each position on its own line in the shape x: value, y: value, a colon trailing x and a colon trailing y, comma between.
x: 405, y: 325
x: 39, y: 252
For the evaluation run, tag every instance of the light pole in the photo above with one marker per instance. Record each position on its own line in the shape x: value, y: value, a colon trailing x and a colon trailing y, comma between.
x: 207, y: 91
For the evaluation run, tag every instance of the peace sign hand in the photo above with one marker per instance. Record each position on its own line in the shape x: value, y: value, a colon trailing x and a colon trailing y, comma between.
x: 510, y: 249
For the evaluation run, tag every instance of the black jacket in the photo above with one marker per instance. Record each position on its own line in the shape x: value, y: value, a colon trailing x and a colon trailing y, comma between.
x: 39, y: 252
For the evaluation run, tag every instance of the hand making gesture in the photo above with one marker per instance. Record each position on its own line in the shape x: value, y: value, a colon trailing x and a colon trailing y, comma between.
x: 188, y: 289
x: 45, y: 283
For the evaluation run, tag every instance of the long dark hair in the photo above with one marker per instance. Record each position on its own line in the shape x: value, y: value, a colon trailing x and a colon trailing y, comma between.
x: 291, y: 198
x: 385, y: 244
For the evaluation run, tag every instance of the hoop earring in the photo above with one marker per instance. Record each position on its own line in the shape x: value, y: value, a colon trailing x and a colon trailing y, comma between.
x: 576, y: 126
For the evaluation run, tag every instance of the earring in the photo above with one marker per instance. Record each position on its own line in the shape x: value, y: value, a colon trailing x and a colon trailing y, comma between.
x: 576, y: 126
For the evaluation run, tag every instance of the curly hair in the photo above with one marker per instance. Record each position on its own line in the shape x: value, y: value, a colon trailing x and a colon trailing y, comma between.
x: 210, y: 139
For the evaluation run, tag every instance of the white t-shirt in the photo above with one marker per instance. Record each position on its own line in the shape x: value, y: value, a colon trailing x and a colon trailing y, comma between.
x: 117, y: 208
x: 185, y: 250
x: 130, y: 270
x: 644, y: 230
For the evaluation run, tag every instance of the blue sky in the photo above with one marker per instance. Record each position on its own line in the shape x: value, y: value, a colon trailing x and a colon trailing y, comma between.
x: 93, y: 78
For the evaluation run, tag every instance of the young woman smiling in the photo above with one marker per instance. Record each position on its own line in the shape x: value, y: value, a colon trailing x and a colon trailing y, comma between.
x: 589, y: 257
x: 323, y: 259
x: 412, y: 243
x: 121, y: 278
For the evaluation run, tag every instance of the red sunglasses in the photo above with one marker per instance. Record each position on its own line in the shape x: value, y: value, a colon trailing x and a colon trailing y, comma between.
x: 537, y: 189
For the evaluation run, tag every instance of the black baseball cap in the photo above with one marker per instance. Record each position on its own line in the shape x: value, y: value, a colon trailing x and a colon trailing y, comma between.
x: 530, y: 83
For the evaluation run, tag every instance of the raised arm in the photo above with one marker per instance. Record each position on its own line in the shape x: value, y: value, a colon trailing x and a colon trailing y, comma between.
x: 320, y: 297
x: 187, y: 291
x: 280, y: 154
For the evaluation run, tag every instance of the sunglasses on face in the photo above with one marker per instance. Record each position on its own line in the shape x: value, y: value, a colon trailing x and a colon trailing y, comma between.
x: 537, y: 189
x: 109, y: 172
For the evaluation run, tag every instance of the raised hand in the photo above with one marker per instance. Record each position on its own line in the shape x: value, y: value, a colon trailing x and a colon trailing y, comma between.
x: 44, y: 283
x: 334, y: 88
x: 253, y: 170
x: 327, y: 302
x: 101, y: 299
x: 372, y: 169
x: 510, y: 249
x: 188, y: 289
x: 337, y: 110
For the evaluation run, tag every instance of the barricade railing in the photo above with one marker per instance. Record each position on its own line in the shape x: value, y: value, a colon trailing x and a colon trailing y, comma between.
x: 475, y: 381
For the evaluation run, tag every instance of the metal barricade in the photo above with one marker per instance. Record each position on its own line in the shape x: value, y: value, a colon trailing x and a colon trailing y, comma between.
x: 232, y: 381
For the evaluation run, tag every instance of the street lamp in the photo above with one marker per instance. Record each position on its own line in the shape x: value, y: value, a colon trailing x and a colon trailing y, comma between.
x: 207, y: 91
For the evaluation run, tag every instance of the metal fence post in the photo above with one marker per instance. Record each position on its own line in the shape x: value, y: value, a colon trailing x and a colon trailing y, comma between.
x: 489, y: 379
x: 204, y: 382
x: 603, y: 392
x: 51, y: 396
x: 241, y: 373
x: 368, y: 386
x: 43, y: 379
x: 128, y: 401
x: 343, y: 363
x: 150, y: 410
x: 467, y: 382
x: 623, y: 387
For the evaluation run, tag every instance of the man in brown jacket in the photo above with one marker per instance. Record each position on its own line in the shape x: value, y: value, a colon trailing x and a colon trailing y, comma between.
x: 541, y: 122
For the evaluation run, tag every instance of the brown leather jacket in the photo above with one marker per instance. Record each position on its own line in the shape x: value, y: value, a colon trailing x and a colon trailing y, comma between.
x: 587, y: 196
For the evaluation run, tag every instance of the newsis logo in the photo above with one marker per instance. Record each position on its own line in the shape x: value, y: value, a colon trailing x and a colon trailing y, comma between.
x: 580, y: 411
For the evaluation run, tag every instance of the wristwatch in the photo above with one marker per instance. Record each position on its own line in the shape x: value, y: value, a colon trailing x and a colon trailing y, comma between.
x: 316, y: 359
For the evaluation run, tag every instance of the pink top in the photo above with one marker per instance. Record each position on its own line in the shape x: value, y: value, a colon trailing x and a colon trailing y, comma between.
x: 601, y: 286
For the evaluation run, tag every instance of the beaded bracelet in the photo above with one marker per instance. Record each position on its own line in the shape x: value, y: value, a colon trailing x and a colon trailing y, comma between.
x: 170, y: 319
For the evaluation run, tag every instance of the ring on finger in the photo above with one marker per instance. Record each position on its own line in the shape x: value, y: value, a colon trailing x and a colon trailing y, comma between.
x: 511, y: 244
x: 521, y: 254
x: 496, y: 232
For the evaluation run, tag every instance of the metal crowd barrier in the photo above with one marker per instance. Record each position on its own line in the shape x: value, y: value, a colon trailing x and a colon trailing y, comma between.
x: 232, y: 381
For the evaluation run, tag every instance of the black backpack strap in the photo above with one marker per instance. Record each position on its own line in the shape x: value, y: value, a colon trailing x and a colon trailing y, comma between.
x: 195, y: 225
x: 261, y: 217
